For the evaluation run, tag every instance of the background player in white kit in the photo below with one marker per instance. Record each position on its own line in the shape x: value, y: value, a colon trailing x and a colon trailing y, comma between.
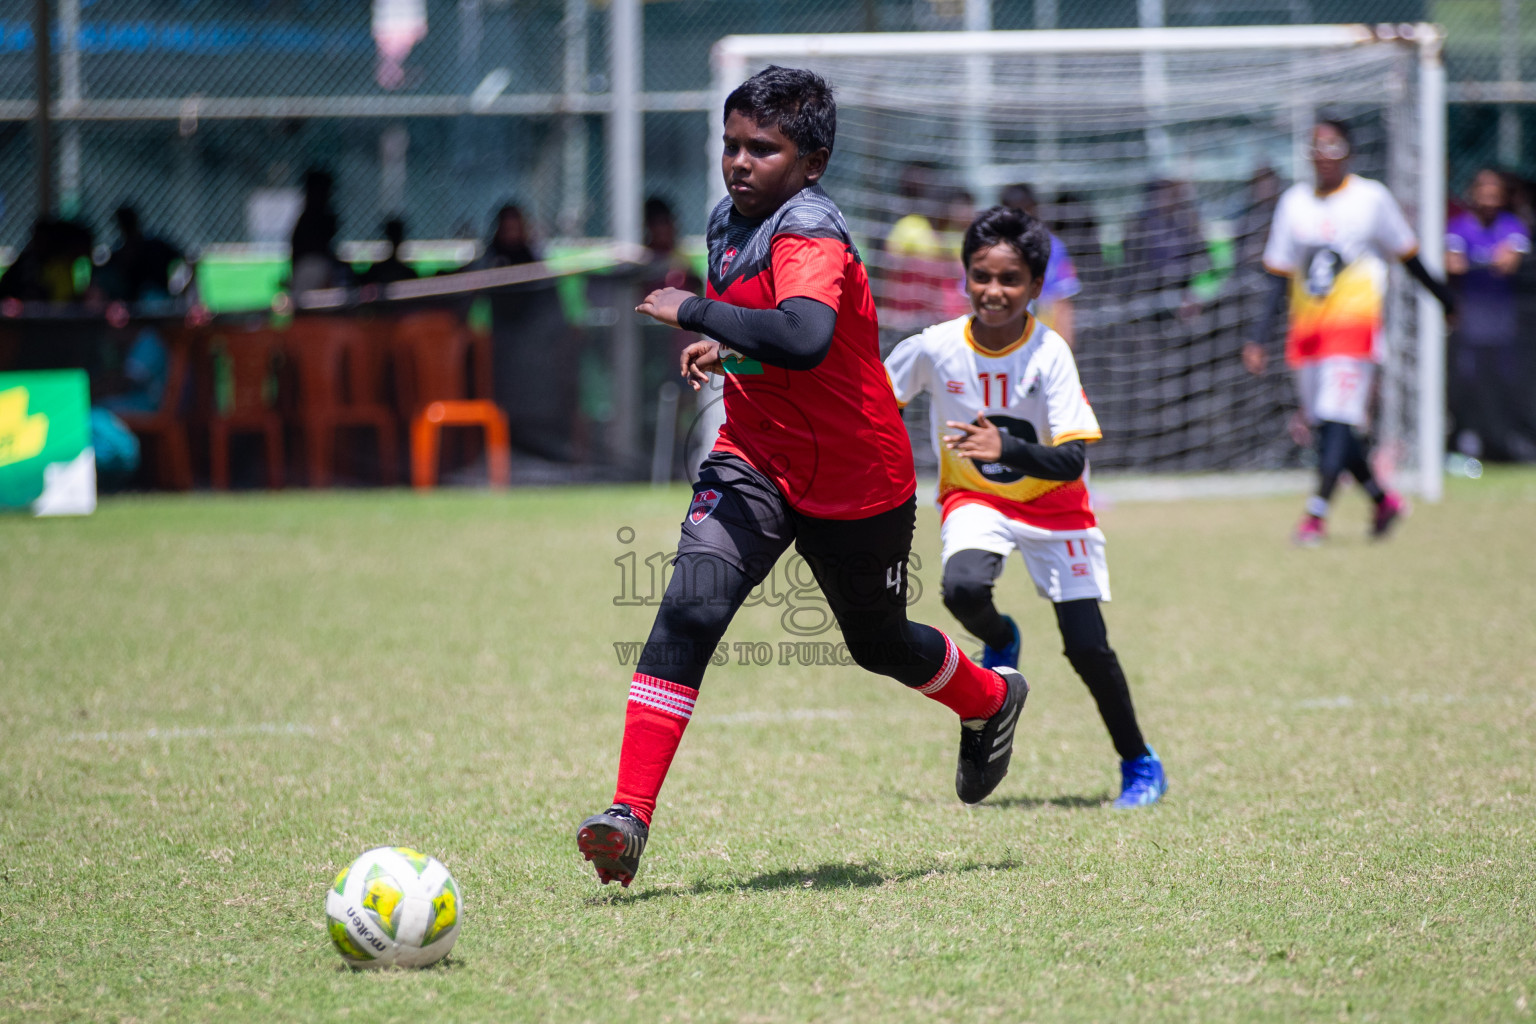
x: 1012, y: 474
x: 1326, y: 247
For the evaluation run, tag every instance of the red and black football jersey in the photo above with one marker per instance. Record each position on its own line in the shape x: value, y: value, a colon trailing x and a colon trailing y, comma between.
x: 831, y: 438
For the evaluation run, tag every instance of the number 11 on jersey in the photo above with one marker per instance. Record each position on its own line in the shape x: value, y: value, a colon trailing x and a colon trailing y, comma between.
x: 986, y: 380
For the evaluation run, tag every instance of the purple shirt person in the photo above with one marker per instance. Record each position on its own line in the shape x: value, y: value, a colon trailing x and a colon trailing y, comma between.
x: 1482, y: 252
x: 1060, y: 276
x: 1054, y: 307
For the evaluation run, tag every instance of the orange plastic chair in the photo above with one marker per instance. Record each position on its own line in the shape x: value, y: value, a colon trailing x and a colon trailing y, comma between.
x: 340, y: 385
x: 173, y: 455
x: 431, y: 349
x: 251, y: 355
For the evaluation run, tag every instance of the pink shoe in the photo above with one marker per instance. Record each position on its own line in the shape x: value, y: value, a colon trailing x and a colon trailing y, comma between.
x: 1390, y: 510
x: 1311, y: 532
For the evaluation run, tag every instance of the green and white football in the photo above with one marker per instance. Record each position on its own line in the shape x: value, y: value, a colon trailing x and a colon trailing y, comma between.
x: 393, y: 907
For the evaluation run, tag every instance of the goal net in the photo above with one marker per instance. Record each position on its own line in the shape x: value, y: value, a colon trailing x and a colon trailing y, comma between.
x: 1156, y: 157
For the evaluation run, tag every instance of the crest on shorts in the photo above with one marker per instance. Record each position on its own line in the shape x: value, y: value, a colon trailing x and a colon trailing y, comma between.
x: 725, y: 260
x: 704, y: 503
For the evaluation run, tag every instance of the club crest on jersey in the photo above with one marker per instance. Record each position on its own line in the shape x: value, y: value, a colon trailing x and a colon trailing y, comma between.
x: 1034, y: 387
x: 704, y: 503
x: 725, y: 260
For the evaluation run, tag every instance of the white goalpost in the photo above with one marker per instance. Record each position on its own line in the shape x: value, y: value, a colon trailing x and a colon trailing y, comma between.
x: 1156, y: 155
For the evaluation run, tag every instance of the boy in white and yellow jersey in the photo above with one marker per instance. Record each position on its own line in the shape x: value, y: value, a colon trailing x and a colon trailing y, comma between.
x: 1013, y: 471
x: 1328, y: 248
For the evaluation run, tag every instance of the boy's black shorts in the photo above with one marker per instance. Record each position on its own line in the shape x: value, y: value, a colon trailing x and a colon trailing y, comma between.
x: 737, y: 514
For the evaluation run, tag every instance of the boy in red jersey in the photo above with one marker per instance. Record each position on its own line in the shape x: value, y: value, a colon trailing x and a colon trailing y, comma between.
x: 813, y: 452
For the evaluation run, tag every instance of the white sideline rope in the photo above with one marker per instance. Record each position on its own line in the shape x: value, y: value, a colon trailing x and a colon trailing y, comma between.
x: 606, y: 257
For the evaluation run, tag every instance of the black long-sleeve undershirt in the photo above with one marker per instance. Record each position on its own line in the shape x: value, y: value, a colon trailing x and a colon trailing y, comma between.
x: 1042, y: 461
x: 1273, y: 303
x: 1438, y: 289
x: 796, y: 336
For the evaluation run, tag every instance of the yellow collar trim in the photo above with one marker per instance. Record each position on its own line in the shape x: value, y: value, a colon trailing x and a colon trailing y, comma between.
x: 1029, y: 332
x: 1333, y: 192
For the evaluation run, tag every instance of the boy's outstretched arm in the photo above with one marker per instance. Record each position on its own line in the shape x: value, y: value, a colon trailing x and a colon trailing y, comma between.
x: 1255, y: 357
x: 1421, y: 274
x: 795, y: 336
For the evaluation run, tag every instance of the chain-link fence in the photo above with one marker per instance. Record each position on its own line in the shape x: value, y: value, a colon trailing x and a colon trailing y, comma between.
x: 206, y: 116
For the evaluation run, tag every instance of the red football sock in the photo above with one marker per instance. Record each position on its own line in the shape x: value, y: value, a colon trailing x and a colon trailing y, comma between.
x: 654, y: 721
x: 964, y: 687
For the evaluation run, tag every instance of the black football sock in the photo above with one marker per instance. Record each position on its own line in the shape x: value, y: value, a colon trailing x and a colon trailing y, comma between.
x: 1333, y: 445
x: 1360, y: 466
x: 701, y: 599
x: 967, y: 587
x: 1087, y: 648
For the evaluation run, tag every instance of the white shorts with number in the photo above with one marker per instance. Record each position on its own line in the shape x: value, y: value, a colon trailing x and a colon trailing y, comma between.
x: 1336, y: 389
x: 1066, y: 565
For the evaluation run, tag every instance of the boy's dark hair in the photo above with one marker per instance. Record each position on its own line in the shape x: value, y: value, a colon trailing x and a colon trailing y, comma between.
x: 798, y: 101
x: 1003, y: 225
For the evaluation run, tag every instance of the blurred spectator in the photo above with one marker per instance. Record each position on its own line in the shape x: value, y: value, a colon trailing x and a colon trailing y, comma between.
x: 914, y: 233
x: 533, y: 354
x: 1073, y: 222
x: 141, y: 267
x: 923, y: 250
x: 1250, y: 285
x: 959, y: 211
x: 510, y: 243
x: 1520, y: 198
x: 1483, y: 251
x: 1054, y: 307
x: 669, y: 267
x: 922, y: 264
x: 44, y: 270
x: 314, y: 238
x: 1253, y: 220
x: 1164, y: 248
x: 139, y: 386
x: 391, y: 268
x: 117, y: 450
x: 1165, y: 252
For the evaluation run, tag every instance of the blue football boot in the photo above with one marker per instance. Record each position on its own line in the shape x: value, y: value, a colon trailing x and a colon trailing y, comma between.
x: 1003, y: 657
x: 1142, y: 781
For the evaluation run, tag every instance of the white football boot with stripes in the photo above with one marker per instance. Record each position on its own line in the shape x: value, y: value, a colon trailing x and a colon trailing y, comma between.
x: 986, y: 744
x: 613, y: 841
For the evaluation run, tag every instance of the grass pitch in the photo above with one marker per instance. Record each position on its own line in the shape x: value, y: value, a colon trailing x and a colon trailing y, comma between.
x: 211, y: 705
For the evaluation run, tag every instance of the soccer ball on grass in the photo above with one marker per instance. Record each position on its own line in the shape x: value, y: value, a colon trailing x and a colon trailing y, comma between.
x: 393, y: 907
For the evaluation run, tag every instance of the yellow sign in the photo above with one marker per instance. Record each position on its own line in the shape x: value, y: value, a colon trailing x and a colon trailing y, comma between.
x: 22, y: 436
